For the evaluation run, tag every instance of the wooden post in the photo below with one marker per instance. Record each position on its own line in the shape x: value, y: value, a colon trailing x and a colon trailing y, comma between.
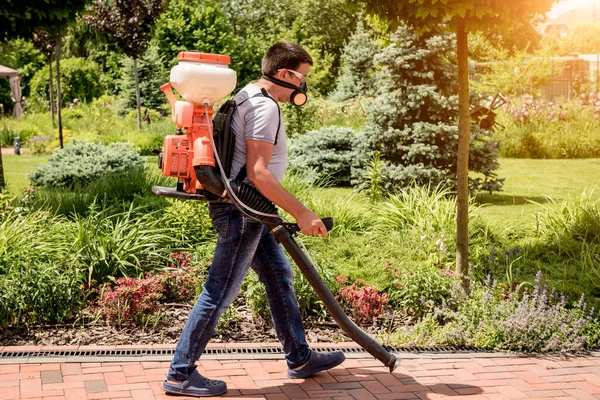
x: 58, y: 95
x: 462, y: 168
x: 51, y: 89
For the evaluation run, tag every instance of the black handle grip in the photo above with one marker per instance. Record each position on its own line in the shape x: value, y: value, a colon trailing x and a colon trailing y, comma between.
x: 294, y: 228
x: 328, y: 222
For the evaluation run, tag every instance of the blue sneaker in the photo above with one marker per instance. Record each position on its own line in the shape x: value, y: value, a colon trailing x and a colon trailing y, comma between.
x: 196, y: 386
x: 318, y: 362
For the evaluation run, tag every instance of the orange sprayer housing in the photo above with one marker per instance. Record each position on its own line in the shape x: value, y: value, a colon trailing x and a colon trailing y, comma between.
x: 199, y: 78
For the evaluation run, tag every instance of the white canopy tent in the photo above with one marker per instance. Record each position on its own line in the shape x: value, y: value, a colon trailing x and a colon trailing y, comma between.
x: 15, y: 87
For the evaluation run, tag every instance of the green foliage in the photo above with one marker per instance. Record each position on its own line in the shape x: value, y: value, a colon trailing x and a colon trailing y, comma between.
x: 82, y: 163
x: 478, y: 14
x: 309, y: 303
x: 416, y: 291
x: 38, y: 293
x: 23, y: 18
x: 80, y: 39
x: 582, y: 39
x: 356, y: 78
x: 411, y: 123
x: 80, y: 79
x: 577, y: 220
x: 195, y: 25
x: 535, y: 320
x: 25, y: 58
x: 6, y: 102
x: 426, y: 210
x: 110, y: 245
x: 326, y: 153
x: 533, y: 128
x: 499, y: 76
x: 152, y: 75
x: 322, y: 26
x: 32, y: 238
x: 116, y: 191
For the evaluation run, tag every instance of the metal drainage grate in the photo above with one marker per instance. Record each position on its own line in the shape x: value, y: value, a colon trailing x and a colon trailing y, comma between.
x: 225, y: 351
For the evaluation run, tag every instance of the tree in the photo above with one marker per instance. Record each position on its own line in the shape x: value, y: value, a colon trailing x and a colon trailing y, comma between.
x: 411, y: 122
x: 464, y: 16
x: 323, y: 27
x: 151, y: 70
x: 193, y: 25
x: 357, y: 73
x: 130, y: 24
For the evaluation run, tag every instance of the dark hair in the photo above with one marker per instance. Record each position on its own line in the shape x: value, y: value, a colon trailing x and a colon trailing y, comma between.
x: 284, y: 54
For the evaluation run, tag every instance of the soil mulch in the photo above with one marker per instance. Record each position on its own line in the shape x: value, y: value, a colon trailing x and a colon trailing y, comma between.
x: 243, y: 328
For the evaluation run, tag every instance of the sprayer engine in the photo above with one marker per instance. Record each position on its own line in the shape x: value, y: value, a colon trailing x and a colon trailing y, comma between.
x: 175, y: 160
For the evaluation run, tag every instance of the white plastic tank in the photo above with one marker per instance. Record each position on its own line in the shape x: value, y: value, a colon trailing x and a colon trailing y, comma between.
x: 200, y: 76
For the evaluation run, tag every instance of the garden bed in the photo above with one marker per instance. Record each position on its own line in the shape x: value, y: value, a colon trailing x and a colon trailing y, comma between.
x: 245, y: 328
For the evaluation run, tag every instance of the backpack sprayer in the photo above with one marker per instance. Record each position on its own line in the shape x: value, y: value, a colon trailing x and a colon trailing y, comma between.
x: 199, y: 164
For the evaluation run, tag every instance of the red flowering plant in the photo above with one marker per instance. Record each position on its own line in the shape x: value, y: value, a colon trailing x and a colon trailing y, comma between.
x: 365, y: 301
x: 132, y: 301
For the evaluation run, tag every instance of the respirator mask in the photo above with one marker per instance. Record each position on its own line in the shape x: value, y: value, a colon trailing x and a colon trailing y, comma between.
x: 298, y: 96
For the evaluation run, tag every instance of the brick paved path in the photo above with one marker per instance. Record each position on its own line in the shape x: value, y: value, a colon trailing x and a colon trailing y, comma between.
x: 419, y: 376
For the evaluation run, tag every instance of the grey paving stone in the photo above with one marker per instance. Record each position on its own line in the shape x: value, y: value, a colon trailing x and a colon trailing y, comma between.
x: 97, y: 386
x: 51, y: 377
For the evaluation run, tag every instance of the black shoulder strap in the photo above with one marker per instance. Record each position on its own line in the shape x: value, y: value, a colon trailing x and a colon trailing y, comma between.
x: 243, y: 172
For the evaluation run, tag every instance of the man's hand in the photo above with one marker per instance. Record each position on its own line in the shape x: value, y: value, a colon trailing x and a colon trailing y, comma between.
x: 310, y: 224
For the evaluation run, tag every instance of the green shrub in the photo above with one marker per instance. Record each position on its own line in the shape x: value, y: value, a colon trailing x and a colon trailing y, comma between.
x: 80, y: 79
x: 417, y: 291
x: 327, y: 153
x: 124, y: 244
x: 82, y: 163
x: 7, y: 136
x: 116, y: 191
x: 36, y: 237
x: 538, y: 319
x: 39, y: 292
x: 38, y: 145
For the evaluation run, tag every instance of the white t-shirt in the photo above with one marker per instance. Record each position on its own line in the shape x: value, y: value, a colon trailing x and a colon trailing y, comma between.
x: 257, y: 119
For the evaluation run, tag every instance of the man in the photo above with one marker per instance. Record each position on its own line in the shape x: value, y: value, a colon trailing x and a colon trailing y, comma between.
x: 261, y: 148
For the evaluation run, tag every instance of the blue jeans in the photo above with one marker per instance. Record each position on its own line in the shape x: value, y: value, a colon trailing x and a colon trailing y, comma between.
x: 241, y: 244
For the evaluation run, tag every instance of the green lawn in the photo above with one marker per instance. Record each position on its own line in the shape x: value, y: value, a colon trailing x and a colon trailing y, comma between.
x: 535, y: 180
x: 16, y: 169
x: 526, y: 180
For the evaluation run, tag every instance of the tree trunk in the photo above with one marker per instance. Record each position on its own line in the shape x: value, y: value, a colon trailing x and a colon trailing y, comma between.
x: 51, y: 89
x: 58, y: 95
x: 137, y: 93
x: 462, y: 168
